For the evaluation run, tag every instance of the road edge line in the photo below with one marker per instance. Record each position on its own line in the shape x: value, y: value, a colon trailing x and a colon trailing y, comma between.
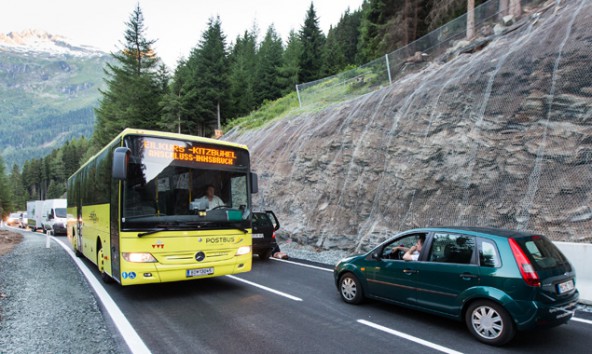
x: 135, y: 344
x: 303, y: 264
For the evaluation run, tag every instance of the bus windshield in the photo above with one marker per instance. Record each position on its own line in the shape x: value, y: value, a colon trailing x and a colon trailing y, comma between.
x: 184, y: 185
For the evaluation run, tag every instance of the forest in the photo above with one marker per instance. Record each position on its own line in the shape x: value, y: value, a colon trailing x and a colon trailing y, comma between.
x: 223, y: 79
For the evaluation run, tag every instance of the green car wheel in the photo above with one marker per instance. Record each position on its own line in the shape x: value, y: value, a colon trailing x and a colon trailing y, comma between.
x: 490, y: 323
x: 350, y: 289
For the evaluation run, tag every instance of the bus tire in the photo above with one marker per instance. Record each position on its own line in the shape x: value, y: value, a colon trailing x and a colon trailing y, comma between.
x: 101, y: 264
x: 75, y: 245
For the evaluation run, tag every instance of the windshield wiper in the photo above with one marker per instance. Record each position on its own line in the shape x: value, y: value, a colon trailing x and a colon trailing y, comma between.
x: 142, y: 234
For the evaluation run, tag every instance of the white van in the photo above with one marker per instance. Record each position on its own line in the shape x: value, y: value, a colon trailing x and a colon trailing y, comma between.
x: 35, y: 214
x: 54, y: 216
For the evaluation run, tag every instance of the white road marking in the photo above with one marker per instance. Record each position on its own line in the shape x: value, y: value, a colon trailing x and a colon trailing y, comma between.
x: 128, y: 333
x: 303, y: 265
x: 581, y: 320
x: 409, y: 337
x: 277, y: 292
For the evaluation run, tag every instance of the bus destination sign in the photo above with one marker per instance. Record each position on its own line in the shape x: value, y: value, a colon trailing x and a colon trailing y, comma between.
x: 171, y: 151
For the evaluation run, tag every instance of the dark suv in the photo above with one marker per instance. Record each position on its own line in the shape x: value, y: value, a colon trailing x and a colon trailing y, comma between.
x: 497, y: 281
x: 265, y: 224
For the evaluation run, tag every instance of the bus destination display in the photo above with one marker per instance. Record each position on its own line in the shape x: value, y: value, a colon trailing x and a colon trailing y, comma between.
x: 171, y: 151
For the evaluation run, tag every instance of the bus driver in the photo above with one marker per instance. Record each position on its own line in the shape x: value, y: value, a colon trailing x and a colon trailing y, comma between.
x: 213, y: 201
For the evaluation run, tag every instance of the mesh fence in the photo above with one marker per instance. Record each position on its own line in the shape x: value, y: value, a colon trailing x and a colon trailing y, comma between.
x: 411, y: 58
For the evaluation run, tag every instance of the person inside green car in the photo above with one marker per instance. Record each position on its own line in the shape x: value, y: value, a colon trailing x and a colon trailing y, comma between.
x: 411, y: 253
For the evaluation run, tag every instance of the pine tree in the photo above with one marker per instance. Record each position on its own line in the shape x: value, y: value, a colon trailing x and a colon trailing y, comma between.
x: 19, y: 195
x: 373, y: 17
x: 242, y: 76
x: 133, y: 86
x: 175, y: 102
x: 208, y: 81
x: 290, y: 70
x: 313, y: 41
x: 387, y: 25
x: 333, y: 54
x: 6, y: 203
x: 347, y: 33
x: 269, y: 61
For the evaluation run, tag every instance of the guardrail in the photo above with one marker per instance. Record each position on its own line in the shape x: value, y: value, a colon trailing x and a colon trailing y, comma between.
x: 579, y: 255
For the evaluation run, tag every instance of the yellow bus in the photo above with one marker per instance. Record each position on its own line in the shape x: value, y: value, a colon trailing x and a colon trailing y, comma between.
x: 155, y: 207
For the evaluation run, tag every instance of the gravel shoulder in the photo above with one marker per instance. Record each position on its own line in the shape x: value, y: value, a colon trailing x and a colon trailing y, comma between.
x: 46, y: 305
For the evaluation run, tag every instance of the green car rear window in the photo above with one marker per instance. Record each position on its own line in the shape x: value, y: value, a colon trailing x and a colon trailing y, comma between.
x: 542, y: 252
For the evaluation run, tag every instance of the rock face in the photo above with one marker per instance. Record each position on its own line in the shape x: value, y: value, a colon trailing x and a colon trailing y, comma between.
x: 501, y: 137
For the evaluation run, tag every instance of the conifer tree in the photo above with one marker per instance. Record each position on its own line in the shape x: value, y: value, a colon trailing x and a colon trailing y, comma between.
x: 333, y: 54
x: 208, y: 81
x: 313, y: 40
x: 6, y: 204
x: 269, y: 61
x: 290, y: 70
x: 242, y: 76
x: 176, y: 101
x: 347, y: 33
x: 133, y: 87
x: 387, y: 25
x: 19, y: 195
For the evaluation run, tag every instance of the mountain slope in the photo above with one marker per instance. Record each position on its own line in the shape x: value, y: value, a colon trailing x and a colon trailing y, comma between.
x: 501, y: 137
x: 48, y: 88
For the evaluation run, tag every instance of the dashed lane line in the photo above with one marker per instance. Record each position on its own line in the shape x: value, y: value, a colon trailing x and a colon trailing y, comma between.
x: 409, y: 337
x: 128, y: 333
x: 581, y: 320
x: 277, y: 292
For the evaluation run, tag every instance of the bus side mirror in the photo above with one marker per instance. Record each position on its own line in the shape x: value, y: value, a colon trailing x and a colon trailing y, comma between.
x: 254, y: 184
x: 120, y: 162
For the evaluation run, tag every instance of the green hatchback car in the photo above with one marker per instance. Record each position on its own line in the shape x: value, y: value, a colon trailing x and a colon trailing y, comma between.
x: 497, y: 281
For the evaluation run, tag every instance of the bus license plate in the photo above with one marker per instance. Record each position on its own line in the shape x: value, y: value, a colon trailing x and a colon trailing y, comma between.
x: 565, y: 286
x: 257, y: 235
x: 199, y: 272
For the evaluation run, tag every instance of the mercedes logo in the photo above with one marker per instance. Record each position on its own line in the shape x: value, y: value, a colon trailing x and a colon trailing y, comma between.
x: 200, y: 256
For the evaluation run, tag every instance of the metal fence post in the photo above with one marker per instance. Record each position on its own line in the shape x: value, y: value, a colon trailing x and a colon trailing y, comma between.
x: 298, y: 93
x: 388, y: 69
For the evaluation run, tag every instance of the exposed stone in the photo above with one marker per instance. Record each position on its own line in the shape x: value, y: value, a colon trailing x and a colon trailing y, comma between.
x: 508, y: 20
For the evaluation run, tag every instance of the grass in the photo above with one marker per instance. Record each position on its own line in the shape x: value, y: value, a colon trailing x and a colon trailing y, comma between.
x: 269, y: 111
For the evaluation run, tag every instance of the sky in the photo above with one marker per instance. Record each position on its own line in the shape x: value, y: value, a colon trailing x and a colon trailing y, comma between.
x: 177, y: 25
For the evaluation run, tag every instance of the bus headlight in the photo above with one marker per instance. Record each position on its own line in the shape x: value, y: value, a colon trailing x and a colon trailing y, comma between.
x: 138, y: 257
x: 243, y: 250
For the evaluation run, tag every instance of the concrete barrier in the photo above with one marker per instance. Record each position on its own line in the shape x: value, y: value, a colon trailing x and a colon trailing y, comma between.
x: 580, y: 257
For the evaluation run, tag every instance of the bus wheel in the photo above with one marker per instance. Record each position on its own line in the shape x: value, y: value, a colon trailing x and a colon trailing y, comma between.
x: 101, y: 264
x: 75, y: 246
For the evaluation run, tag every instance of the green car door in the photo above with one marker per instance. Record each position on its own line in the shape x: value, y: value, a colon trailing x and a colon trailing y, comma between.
x: 449, y: 269
x: 390, y: 277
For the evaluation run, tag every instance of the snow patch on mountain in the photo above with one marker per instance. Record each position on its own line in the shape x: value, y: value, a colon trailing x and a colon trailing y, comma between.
x: 36, y: 41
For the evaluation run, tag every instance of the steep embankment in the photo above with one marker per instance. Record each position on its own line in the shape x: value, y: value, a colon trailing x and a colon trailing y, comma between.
x: 501, y: 137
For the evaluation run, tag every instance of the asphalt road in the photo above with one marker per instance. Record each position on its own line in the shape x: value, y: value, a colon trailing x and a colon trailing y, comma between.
x: 289, y: 307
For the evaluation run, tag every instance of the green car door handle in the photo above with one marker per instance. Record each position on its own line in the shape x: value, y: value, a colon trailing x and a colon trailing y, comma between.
x: 410, y: 271
x: 468, y: 276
